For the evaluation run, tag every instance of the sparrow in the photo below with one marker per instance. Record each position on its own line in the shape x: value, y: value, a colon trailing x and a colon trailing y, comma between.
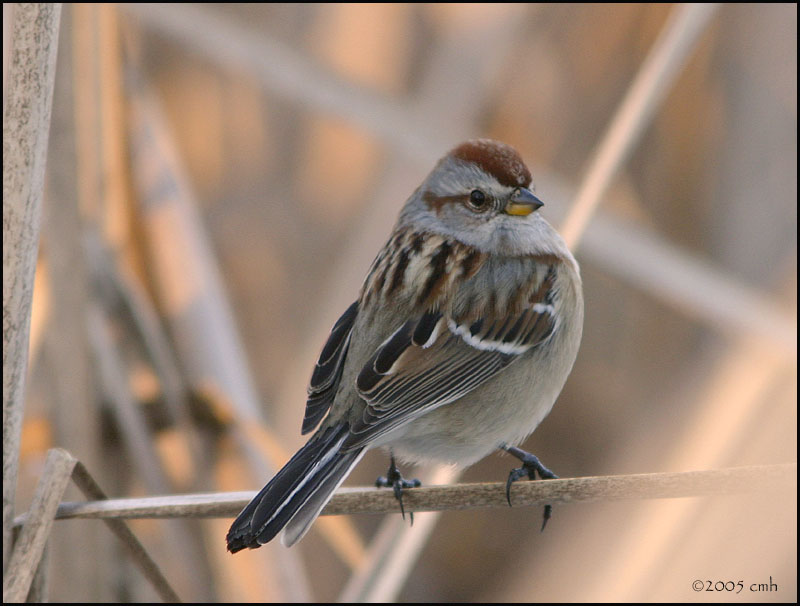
x: 465, y: 330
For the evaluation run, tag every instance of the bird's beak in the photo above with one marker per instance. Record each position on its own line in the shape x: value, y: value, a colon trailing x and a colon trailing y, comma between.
x: 523, y: 203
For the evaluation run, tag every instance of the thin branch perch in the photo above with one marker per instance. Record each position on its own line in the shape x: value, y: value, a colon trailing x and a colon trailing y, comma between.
x: 715, y: 482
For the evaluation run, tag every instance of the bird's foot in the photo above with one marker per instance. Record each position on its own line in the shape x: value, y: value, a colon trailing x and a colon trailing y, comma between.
x: 394, y: 479
x: 531, y: 465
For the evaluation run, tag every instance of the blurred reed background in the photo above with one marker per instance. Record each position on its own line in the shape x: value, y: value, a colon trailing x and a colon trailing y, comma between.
x: 219, y: 180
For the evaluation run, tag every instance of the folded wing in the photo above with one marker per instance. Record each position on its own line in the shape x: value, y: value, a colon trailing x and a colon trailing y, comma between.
x: 328, y: 370
x: 433, y: 360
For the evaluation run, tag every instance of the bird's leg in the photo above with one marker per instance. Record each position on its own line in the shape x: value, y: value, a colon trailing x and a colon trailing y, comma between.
x: 398, y: 483
x: 531, y: 465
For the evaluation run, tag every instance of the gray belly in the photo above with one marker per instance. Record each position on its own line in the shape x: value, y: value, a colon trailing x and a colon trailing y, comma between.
x: 507, y: 408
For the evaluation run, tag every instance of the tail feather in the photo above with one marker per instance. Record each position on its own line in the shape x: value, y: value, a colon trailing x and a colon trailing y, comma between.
x: 302, y: 487
x: 297, y: 527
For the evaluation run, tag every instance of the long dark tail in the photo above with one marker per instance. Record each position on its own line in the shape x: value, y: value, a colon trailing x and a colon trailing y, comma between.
x: 296, y: 495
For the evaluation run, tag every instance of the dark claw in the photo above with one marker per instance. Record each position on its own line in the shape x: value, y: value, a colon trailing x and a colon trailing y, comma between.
x: 394, y: 479
x: 531, y: 465
x: 548, y: 511
x: 515, y: 475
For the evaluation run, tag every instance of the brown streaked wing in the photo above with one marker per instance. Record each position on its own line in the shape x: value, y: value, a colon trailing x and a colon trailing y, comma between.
x: 434, y: 360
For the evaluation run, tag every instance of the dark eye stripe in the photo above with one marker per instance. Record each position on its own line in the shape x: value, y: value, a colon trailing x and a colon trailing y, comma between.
x: 436, y: 203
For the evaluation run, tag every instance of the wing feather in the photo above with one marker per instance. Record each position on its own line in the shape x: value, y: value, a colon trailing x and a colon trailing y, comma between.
x: 434, y: 359
x: 328, y: 370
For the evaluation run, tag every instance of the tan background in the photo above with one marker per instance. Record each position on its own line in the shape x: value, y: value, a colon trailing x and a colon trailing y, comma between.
x: 288, y: 186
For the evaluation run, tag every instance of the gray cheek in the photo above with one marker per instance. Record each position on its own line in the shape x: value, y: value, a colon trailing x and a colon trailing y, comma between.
x: 471, y: 228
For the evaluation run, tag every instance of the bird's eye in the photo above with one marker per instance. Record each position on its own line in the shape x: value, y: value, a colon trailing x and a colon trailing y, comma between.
x: 478, y: 200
